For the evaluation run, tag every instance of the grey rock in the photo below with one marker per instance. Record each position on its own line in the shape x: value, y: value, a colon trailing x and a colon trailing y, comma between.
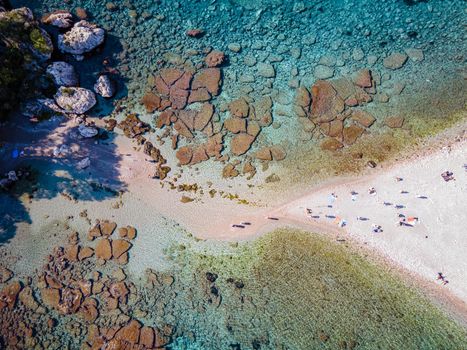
x: 323, y: 72
x: 105, y: 86
x: 42, y: 108
x: 82, y: 38
x: 87, y: 131
x: 266, y: 70
x: 415, y: 55
x: 83, y: 164
x: 63, y: 74
x: 235, y: 47
x: 75, y: 100
x: 395, y: 60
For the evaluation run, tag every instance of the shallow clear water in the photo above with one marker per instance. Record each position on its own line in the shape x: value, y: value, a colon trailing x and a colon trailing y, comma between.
x: 287, y: 290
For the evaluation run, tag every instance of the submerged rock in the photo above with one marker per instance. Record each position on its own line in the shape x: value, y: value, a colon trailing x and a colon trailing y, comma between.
x: 63, y: 74
x: 75, y: 100
x: 83, y: 37
x: 105, y: 86
x: 395, y: 60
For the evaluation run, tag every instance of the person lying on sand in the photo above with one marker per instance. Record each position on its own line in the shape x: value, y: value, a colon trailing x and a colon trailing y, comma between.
x: 238, y: 226
x: 372, y: 191
x: 376, y: 228
x: 399, y: 179
x: 448, y: 176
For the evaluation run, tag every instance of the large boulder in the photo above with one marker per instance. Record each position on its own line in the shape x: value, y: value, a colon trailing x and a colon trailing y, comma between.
x: 63, y: 74
x: 83, y: 37
x: 75, y: 100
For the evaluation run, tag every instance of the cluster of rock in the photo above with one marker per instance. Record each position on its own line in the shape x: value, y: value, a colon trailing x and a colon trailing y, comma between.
x: 182, y: 99
x: 332, y: 108
x: 79, y: 39
x: 134, y: 128
x: 69, y: 285
x: 24, y: 46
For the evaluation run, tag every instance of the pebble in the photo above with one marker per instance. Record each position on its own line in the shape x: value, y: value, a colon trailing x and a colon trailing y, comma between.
x: 235, y: 47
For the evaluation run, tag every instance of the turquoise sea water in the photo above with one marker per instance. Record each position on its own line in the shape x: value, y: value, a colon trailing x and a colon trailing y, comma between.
x: 288, y: 290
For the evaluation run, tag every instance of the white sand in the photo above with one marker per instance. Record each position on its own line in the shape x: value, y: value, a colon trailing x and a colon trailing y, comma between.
x: 438, y: 243
x: 147, y: 205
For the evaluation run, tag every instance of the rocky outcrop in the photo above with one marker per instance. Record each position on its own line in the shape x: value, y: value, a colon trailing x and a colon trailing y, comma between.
x: 75, y: 100
x: 63, y: 74
x: 24, y: 46
x: 82, y: 38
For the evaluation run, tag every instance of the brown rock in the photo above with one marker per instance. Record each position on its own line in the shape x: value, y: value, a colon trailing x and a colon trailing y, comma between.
x: 278, y: 153
x: 229, y: 171
x: 26, y: 296
x: 235, y: 125
x: 199, y: 95
x: 331, y: 144
x: 147, y: 337
x: 184, y: 155
x: 119, y: 290
x: 214, y: 146
x: 352, y: 133
x: 253, y: 128
x: 264, y: 154
x: 209, y: 78
x: 88, y: 310
x: 363, y: 118
x: 395, y: 60
x: 85, y: 253
x: 103, y: 249
x: 123, y: 259
x: 363, y: 78
x: 161, y: 86
x: 182, y: 129
x: 326, y: 104
x: 131, y: 232
x: 95, y: 232
x: 184, y: 81
x: 178, y: 97
x: 199, y: 155
x: 70, y: 301
x: 351, y: 102
x: 52, y: 282
x: 9, y: 294
x: 204, y: 116
x: 394, y: 122
x: 50, y: 297
x: 165, y: 119
x: 71, y: 252
x: 151, y: 102
x: 107, y: 227
x: 214, y: 58
x: 5, y: 274
x: 119, y: 246
x: 122, y: 232
x: 239, y: 108
x: 241, y: 143
x: 303, y: 98
x: 195, y: 33
x: 129, y: 333
x: 171, y: 75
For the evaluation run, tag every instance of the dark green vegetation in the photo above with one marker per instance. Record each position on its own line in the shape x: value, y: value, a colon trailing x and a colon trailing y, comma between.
x: 295, y: 290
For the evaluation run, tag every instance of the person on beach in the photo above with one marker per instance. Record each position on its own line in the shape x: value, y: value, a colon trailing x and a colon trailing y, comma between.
x: 399, y: 179
x: 332, y: 198
x: 372, y: 191
x: 448, y: 176
x: 353, y: 196
x: 376, y: 228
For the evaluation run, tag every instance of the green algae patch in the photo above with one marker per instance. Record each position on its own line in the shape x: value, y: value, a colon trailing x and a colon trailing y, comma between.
x: 296, y: 290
